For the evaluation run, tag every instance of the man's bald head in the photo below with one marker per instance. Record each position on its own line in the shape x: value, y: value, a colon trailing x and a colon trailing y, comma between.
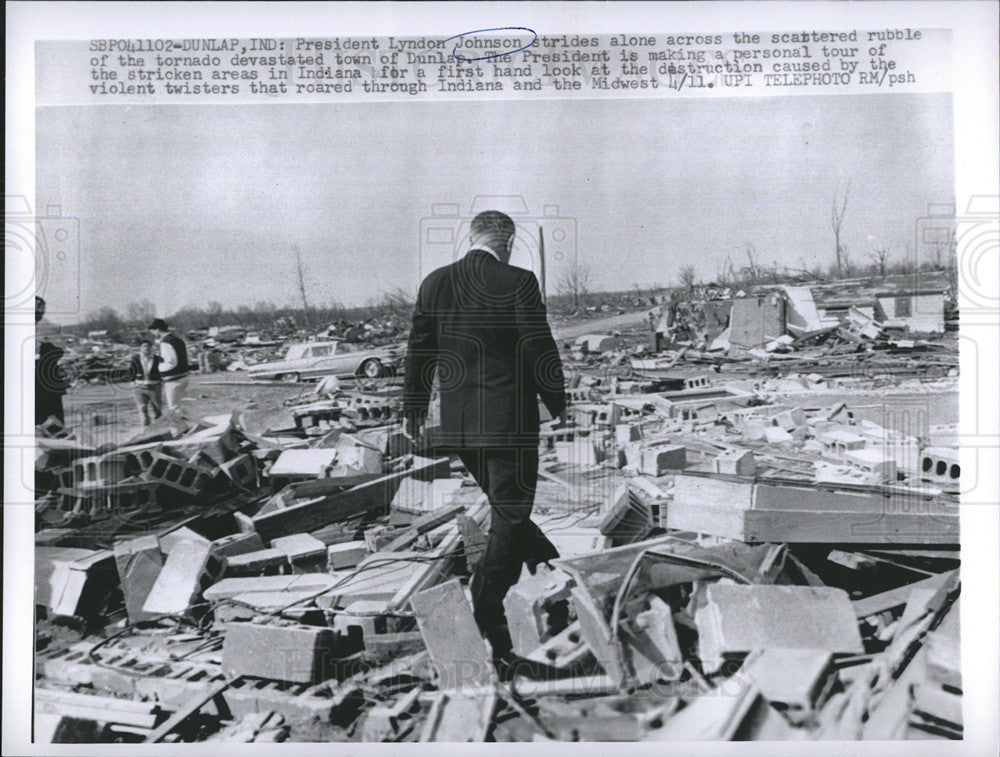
x: 495, y: 230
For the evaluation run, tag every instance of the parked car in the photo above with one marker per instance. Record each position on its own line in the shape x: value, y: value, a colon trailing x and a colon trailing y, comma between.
x: 336, y: 358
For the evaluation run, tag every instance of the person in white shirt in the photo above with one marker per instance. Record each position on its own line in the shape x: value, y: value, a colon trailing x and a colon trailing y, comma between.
x: 173, y: 363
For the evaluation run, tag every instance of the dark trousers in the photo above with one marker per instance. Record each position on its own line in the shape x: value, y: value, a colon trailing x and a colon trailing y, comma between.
x: 149, y: 400
x: 508, y: 477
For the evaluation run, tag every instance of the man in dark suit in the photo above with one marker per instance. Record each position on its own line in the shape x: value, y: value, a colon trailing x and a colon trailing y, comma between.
x: 481, y: 324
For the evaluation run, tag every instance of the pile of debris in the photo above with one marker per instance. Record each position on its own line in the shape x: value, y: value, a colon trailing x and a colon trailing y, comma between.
x: 733, y: 566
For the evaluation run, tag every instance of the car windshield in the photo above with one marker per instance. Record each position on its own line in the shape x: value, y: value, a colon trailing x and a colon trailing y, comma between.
x: 345, y: 347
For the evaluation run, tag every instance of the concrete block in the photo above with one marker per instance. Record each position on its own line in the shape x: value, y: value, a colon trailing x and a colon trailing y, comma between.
x: 651, y: 640
x: 627, y: 517
x: 414, y: 496
x: 625, y: 433
x: 237, y: 544
x: 459, y: 653
x: 72, y: 581
x: 529, y: 607
x: 346, y: 554
x: 940, y: 464
x: 736, y: 462
x: 179, y: 474
x: 170, y: 540
x: 303, y: 463
x: 874, y: 461
x: 298, y: 654
x: 737, y: 619
x: 777, y: 435
x: 139, y: 563
x: 789, y: 419
x: 580, y: 451
x: 241, y: 470
x: 658, y: 459
x: 179, y: 583
x: 356, y: 455
x: 300, y: 549
x: 795, y: 680
x: 255, y: 563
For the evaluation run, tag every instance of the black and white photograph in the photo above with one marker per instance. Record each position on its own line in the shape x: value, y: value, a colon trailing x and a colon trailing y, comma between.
x: 519, y: 381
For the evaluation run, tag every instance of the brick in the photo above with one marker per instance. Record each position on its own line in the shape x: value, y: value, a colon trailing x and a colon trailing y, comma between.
x: 282, y: 653
x: 139, y: 563
x: 346, y: 554
x: 460, y: 655
x: 737, y: 619
x: 179, y: 583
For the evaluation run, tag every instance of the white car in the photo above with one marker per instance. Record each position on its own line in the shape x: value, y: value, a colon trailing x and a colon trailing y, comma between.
x: 333, y: 358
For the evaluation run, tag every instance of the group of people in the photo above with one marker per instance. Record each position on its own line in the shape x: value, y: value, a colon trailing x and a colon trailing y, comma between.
x: 160, y: 375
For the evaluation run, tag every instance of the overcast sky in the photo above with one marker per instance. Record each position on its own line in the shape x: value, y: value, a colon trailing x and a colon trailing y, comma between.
x: 183, y: 205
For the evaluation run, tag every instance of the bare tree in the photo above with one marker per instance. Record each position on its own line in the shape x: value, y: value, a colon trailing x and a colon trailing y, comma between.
x: 836, y: 221
x: 881, y: 257
x: 141, y: 312
x: 574, y: 281
x: 724, y: 273
x: 687, y: 278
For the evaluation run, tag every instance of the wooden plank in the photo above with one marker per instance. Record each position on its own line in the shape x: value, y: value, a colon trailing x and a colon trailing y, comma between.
x: 372, y: 496
x: 888, y: 600
x: 188, y: 710
x: 850, y: 528
x: 460, y: 654
x: 797, y: 526
x: 423, y: 524
x: 98, y: 708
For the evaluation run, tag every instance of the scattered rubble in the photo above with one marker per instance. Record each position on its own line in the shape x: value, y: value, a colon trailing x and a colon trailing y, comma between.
x: 753, y: 546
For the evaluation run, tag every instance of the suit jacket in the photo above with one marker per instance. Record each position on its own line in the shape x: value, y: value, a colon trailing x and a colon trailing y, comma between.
x: 481, y: 324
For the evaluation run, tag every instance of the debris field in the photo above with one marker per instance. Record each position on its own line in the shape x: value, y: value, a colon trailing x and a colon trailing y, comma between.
x: 751, y: 549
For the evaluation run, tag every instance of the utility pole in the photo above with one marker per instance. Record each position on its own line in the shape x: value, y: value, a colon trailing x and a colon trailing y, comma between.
x: 302, y: 284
